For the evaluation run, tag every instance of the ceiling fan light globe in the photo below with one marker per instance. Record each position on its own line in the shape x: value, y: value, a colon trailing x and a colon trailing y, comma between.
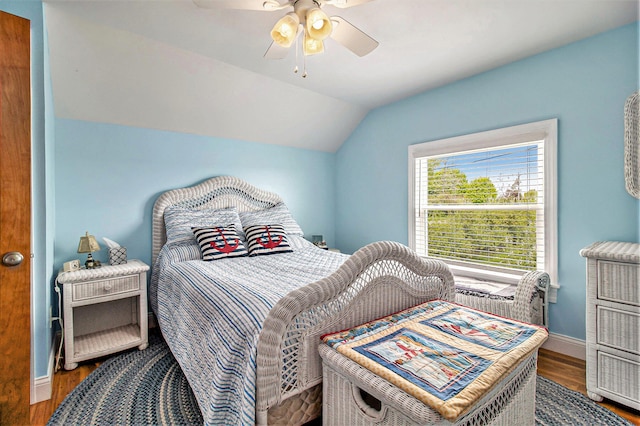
x: 312, y: 46
x: 318, y: 24
x: 285, y: 30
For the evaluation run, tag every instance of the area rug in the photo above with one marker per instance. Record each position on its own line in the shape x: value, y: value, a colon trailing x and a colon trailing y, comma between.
x: 134, y: 388
x: 148, y: 388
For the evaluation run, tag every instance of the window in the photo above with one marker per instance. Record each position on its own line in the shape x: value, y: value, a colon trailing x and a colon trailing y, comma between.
x: 485, y: 203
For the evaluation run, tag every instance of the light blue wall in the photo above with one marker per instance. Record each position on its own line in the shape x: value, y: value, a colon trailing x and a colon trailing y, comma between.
x: 42, y: 241
x: 109, y: 176
x: 364, y: 184
x: 584, y: 85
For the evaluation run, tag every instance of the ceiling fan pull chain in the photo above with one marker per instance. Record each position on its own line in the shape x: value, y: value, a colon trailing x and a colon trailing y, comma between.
x: 304, y: 62
x: 295, y: 70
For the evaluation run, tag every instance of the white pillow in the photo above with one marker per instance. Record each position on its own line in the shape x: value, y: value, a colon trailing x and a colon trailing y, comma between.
x: 181, y: 251
x: 179, y: 221
x: 278, y: 214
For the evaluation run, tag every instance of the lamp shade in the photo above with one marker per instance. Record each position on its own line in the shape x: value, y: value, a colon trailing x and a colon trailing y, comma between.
x: 88, y: 244
x: 312, y: 46
x: 285, y: 30
x: 318, y: 24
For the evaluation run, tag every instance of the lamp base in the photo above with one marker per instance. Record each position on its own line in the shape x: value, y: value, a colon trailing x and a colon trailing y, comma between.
x: 91, y: 263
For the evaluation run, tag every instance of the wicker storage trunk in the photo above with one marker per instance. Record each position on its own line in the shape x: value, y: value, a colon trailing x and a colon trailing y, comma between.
x: 510, y: 402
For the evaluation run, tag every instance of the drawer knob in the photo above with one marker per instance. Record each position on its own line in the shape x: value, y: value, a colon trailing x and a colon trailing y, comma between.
x: 108, y: 286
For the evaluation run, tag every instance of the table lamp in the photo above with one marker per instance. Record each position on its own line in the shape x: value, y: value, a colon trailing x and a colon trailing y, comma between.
x: 88, y: 244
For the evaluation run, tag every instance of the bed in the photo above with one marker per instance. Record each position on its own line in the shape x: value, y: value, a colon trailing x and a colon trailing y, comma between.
x: 245, y: 330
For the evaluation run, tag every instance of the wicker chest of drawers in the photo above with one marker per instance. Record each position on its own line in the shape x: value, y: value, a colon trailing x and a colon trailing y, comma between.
x: 105, y: 311
x: 613, y: 322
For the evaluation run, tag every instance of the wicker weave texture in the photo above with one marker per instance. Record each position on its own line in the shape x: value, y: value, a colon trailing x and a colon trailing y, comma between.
x: 377, y: 280
x: 612, y: 321
x: 619, y: 376
x: 215, y: 193
x: 511, y: 402
x: 91, y: 289
x: 530, y: 303
x: 132, y: 267
x: 632, y: 144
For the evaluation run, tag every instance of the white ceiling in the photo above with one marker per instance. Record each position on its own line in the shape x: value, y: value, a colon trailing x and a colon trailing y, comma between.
x: 169, y: 65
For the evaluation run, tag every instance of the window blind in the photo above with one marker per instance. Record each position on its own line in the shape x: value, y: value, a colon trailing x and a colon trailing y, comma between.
x: 483, y: 207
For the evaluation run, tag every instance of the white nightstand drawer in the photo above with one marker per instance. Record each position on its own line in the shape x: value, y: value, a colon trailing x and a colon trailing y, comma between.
x: 103, y: 287
x: 616, y: 282
x: 618, y: 329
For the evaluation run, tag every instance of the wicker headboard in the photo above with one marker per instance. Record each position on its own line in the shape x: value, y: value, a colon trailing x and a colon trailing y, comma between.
x: 215, y: 193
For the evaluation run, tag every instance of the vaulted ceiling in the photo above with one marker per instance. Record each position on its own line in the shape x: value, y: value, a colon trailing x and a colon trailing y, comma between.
x: 170, y: 65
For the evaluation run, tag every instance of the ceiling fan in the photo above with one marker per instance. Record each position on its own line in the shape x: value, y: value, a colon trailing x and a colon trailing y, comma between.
x: 308, y: 19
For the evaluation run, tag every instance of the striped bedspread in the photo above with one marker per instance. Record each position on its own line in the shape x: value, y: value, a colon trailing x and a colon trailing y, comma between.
x: 211, y: 314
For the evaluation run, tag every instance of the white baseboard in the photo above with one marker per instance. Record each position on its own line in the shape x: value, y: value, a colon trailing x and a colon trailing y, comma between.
x: 566, y: 345
x: 42, y: 387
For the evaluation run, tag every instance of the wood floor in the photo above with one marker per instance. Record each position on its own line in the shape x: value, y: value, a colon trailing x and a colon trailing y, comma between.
x: 568, y: 371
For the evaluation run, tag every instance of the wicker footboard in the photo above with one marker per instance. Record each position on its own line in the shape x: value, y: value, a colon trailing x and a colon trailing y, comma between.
x: 378, y: 280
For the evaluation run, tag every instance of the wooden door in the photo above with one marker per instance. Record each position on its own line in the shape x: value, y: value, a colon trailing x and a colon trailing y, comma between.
x: 15, y: 219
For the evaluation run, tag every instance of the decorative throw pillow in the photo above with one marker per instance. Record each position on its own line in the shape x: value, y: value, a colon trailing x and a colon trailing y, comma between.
x: 266, y: 239
x: 219, y: 242
x: 181, y: 252
x: 279, y: 214
x: 179, y: 221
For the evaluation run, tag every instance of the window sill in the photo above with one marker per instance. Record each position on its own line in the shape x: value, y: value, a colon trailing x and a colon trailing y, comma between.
x: 484, y: 275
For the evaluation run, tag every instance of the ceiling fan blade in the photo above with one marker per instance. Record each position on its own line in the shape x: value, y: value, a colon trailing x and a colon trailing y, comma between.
x: 351, y: 37
x: 345, y: 3
x: 275, y: 51
x: 242, y: 4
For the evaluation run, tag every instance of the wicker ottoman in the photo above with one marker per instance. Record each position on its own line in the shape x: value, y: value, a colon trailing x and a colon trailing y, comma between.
x: 352, y: 395
x: 437, y: 363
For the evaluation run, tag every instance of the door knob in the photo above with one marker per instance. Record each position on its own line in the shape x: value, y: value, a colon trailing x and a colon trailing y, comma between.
x: 13, y: 258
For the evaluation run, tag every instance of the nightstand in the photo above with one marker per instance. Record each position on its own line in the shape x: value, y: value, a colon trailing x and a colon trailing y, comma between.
x: 105, y: 311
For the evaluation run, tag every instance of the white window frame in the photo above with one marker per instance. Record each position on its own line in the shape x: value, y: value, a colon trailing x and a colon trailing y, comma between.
x: 541, y: 130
